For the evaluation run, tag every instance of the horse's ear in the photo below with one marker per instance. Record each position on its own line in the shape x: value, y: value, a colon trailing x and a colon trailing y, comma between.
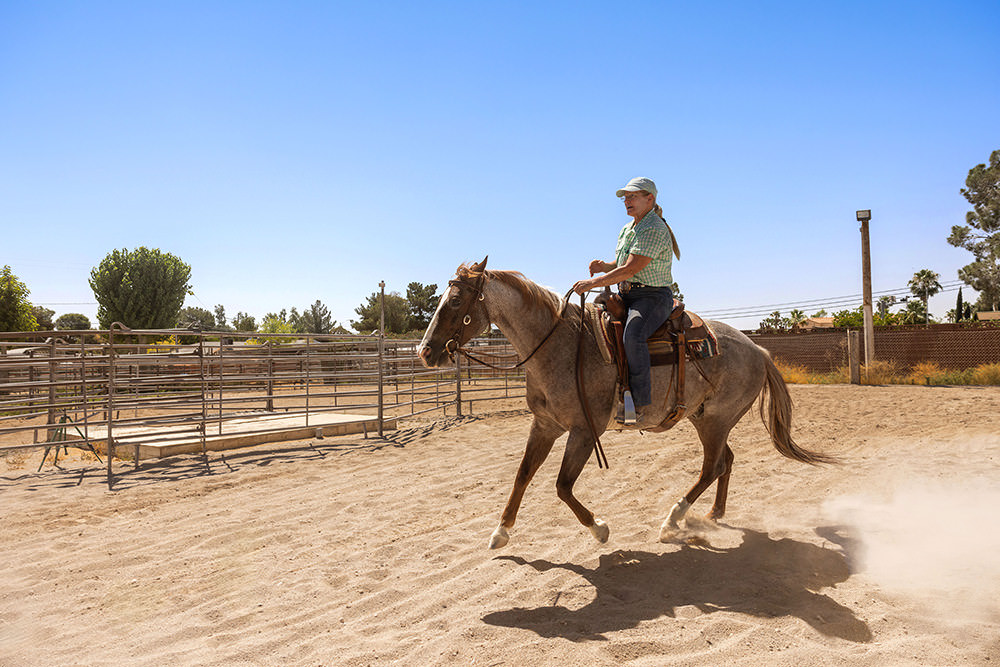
x: 479, y: 268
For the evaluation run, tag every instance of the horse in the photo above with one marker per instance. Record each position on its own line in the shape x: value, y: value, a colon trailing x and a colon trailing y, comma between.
x: 545, y: 332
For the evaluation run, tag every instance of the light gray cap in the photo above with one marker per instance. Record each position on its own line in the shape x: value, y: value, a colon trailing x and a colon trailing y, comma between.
x: 638, y: 184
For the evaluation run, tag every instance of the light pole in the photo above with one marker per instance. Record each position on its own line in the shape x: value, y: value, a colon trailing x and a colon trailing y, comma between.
x: 866, y: 280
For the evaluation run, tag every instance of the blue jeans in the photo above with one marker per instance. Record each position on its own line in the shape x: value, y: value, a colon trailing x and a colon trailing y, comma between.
x: 648, y: 309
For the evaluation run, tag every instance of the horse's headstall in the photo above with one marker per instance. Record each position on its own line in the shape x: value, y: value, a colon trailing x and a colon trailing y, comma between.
x: 477, y: 290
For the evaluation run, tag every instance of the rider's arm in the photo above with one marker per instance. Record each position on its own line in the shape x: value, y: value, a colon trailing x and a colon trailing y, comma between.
x: 633, y: 265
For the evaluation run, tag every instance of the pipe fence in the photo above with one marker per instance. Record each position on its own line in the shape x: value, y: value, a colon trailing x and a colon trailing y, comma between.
x: 80, y: 388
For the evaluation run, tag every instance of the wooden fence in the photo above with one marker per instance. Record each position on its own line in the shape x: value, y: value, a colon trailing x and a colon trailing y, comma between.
x: 66, y: 386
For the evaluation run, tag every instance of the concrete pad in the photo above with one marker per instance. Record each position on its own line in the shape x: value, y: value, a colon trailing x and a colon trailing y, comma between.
x: 236, y: 431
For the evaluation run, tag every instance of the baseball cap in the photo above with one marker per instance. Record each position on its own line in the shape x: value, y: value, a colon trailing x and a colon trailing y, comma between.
x: 637, y: 184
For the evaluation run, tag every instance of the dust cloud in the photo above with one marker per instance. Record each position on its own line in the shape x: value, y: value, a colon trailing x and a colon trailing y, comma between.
x: 937, y: 540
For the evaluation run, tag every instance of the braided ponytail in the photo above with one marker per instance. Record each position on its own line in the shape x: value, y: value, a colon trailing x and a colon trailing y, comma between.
x: 673, y: 239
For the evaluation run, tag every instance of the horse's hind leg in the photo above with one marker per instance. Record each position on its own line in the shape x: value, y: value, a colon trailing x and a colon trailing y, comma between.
x: 722, y: 488
x: 579, y: 447
x: 717, y: 464
x: 540, y: 440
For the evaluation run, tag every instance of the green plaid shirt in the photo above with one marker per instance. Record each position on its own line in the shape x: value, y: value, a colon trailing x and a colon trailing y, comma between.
x: 650, y: 238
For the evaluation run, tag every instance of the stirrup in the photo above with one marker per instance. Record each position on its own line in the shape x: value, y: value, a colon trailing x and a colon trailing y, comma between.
x: 626, y: 410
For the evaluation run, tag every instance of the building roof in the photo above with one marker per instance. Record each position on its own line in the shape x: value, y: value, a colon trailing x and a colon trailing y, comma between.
x: 818, y: 323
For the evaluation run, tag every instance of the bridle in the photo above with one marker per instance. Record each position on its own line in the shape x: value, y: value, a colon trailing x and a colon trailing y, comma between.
x: 477, y: 291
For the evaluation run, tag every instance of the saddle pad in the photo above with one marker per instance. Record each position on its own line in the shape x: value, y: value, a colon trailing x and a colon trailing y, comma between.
x: 599, y: 325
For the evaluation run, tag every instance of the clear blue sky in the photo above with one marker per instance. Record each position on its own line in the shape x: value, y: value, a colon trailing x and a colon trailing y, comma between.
x: 294, y: 151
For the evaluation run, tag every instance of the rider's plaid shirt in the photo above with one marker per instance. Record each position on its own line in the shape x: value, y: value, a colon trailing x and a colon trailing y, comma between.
x: 650, y: 238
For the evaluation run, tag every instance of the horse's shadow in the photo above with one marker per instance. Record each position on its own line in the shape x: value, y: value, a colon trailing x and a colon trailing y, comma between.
x: 762, y: 577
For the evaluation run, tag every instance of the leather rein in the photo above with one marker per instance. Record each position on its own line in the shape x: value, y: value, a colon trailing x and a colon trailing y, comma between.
x: 477, y: 290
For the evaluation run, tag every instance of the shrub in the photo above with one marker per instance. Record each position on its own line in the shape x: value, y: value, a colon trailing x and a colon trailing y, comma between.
x: 880, y: 372
x: 794, y: 374
x: 951, y: 376
x: 840, y: 376
x: 926, y: 372
x: 986, y: 374
x: 887, y: 372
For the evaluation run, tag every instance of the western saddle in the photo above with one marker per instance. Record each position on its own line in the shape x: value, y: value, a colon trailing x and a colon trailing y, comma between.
x: 683, y: 335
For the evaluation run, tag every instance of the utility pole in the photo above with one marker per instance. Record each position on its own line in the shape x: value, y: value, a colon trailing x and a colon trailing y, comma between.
x: 866, y: 279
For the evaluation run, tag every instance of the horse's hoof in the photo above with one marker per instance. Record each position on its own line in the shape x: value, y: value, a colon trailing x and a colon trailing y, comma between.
x: 500, y: 538
x: 600, y: 531
x: 667, y: 531
x: 677, y: 513
x: 671, y: 524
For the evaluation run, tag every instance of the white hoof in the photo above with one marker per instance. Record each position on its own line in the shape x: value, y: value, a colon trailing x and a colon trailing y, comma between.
x: 500, y: 538
x: 600, y: 531
x: 670, y: 524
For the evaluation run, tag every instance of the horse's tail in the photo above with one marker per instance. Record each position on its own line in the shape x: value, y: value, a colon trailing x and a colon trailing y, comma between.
x: 777, y: 417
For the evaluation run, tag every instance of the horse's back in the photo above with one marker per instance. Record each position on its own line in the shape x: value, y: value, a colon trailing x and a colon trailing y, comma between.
x: 732, y: 340
x: 740, y: 360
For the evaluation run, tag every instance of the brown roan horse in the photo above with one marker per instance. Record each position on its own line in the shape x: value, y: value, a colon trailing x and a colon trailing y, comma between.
x: 544, y: 330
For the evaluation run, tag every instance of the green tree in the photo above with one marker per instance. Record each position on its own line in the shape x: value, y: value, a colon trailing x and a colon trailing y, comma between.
x: 43, y: 318
x: 272, y: 324
x: 73, y: 322
x: 244, y: 322
x: 914, y: 313
x: 281, y: 317
x: 397, y: 314
x: 198, y: 318
x: 849, y: 318
x: 220, y: 318
x: 16, y: 312
x: 774, y: 323
x: 924, y: 284
x: 295, y: 320
x: 856, y: 318
x: 796, y: 318
x: 820, y: 313
x: 981, y: 233
x: 143, y: 288
x: 422, y: 300
x: 315, y: 319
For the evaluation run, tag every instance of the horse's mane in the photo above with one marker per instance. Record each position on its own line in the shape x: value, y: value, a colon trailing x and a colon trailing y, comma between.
x: 534, y: 295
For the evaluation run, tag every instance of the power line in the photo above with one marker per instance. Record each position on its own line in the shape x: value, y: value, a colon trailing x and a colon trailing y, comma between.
x: 829, y: 302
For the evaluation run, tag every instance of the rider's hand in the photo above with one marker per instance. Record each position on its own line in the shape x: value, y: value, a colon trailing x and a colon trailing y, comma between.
x: 582, y: 286
x: 597, y: 266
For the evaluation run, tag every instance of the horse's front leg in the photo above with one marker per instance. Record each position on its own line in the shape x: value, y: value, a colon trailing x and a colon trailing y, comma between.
x: 579, y: 447
x: 540, y: 440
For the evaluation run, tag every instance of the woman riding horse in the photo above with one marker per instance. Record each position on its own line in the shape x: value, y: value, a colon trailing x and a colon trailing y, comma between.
x: 641, y: 269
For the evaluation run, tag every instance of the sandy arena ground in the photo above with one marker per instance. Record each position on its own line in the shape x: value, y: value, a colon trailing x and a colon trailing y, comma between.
x: 346, y: 551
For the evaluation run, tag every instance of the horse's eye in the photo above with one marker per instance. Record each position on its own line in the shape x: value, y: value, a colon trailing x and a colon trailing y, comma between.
x: 455, y: 302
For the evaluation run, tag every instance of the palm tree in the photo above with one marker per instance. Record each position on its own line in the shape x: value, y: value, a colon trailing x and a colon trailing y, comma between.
x: 924, y: 284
